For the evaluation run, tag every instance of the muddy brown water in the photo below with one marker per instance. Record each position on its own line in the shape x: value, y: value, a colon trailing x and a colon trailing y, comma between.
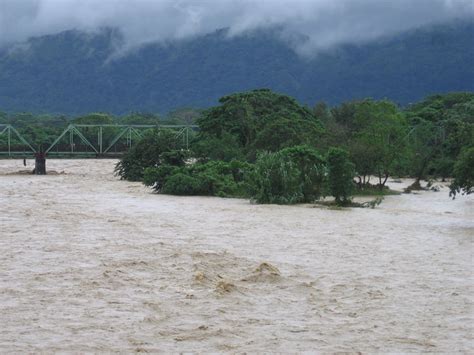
x: 91, y: 263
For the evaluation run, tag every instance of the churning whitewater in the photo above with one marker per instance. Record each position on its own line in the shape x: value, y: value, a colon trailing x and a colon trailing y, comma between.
x: 92, y: 263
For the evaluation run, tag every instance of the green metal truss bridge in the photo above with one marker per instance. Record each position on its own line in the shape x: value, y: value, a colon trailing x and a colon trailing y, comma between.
x: 85, y: 140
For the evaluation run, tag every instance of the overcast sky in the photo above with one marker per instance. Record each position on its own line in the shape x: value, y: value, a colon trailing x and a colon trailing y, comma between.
x: 323, y: 23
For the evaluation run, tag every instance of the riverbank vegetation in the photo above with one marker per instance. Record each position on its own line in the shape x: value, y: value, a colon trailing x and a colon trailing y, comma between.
x: 265, y: 146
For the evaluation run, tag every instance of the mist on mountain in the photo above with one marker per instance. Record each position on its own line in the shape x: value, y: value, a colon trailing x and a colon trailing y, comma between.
x: 74, y: 72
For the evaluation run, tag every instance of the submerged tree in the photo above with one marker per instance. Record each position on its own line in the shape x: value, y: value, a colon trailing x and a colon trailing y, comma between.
x: 156, y: 147
x: 340, y: 175
x: 374, y: 133
x: 463, y: 174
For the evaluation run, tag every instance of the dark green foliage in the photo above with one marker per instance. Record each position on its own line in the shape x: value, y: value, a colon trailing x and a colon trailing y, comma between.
x: 276, y: 180
x: 286, y: 132
x: 382, y: 140
x: 374, y: 133
x: 220, y: 178
x: 215, y: 178
x: 312, y: 168
x: 225, y: 147
x: 174, y: 157
x: 292, y: 175
x: 149, y: 152
x: 442, y: 125
x: 259, y: 120
x: 183, y: 184
x: 156, y: 176
x: 441, y: 107
x: 463, y: 174
x: 340, y: 175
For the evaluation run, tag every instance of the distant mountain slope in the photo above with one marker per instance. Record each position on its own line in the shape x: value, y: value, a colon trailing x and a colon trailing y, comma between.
x: 70, y: 72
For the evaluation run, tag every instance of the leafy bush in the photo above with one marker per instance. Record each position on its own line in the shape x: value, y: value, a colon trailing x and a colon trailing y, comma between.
x: 340, y: 175
x: 215, y: 178
x: 292, y: 175
x: 182, y: 184
x: 312, y: 168
x: 276, y: 179
x: 156, y: 176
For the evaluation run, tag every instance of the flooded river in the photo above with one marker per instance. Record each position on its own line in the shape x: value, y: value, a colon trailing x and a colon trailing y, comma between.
x: 91, y: 263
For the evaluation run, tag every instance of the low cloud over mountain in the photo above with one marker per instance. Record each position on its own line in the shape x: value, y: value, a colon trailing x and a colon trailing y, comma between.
x: 308, y: 26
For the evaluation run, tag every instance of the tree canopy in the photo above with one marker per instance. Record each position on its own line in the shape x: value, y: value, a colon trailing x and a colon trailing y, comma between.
x: 260, y: 120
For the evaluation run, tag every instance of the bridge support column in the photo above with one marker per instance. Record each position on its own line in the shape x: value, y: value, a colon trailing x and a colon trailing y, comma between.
x: 40, y: 164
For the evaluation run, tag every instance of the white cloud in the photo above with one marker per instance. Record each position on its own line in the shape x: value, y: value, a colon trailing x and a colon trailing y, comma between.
x: 322, y: 23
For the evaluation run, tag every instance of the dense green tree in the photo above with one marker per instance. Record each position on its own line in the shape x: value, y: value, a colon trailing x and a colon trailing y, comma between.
x: 322, y: 112
x: 283, y: 133
x: 261, y: 120
x: 340, y: 175
x: 424, y: 143
x: 374, y: 132
x: 442, y: 125
x: 156, y: 176
x: 224, y: 147
x: 148, y: 152
x: 382, y: 131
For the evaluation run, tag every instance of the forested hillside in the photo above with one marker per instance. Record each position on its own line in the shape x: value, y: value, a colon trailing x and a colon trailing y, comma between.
x: 75, y: 73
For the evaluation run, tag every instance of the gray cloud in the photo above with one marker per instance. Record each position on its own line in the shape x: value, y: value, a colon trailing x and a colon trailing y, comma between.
x: 322, y: 23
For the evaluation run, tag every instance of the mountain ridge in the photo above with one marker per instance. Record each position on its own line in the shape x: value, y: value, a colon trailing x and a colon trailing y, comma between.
x: 75, y: 73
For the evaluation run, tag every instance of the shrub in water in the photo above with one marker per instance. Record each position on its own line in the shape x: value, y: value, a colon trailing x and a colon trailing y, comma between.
x: 156, y: 176
x: 276, y: 179
x: 182, y: 184
x: 215, y: 178
x: 340, y: 175
x: 292, y: 175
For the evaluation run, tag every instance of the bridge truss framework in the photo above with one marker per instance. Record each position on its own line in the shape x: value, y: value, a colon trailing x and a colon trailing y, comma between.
x: 10, y: 132
x: 88, y: 147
